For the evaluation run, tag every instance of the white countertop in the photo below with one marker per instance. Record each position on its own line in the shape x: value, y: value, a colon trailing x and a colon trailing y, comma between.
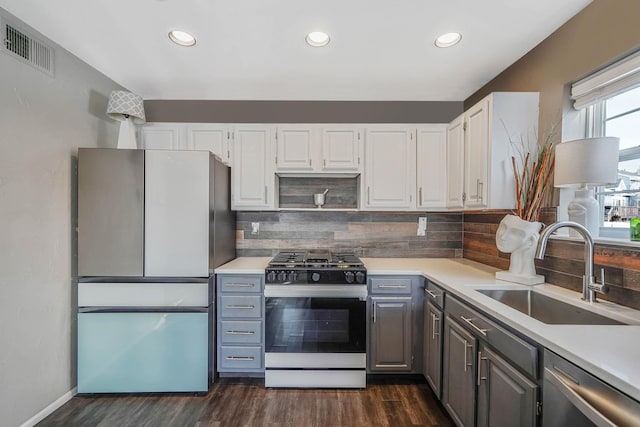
x: 244, y: 265
x: 611, y: 353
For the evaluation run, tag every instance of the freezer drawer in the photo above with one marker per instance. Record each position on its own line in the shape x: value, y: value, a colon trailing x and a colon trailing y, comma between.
x: 126, y: 352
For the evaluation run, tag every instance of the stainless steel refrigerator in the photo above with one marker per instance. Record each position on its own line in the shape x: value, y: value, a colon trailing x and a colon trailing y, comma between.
x: 152, y: 227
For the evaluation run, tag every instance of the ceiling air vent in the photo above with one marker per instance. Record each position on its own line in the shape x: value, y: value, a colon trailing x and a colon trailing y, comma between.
x: 23, y: 46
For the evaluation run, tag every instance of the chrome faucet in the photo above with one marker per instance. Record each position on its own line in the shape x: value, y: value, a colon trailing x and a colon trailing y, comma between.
x: 589, y: 284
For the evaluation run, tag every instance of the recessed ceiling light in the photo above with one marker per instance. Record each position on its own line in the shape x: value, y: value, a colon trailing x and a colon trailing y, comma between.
x: 448, y: 39
x: 182, y: 38
x: 317, y: 39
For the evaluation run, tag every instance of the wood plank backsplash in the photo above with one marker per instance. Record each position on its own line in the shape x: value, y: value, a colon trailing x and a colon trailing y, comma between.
x: 368, y: 234
x: 563, y: 264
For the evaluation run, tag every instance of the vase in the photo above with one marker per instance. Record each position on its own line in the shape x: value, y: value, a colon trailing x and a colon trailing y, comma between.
x: 519, y: 238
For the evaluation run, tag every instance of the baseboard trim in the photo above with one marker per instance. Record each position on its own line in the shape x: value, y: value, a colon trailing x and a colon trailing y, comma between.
x: 50, y: 408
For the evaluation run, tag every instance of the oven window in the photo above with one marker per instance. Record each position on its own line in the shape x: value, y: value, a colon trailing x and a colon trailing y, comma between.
x: 315, y: 325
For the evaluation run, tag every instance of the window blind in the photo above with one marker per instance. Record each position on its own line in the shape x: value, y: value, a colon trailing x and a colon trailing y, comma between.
x: 619, y: 77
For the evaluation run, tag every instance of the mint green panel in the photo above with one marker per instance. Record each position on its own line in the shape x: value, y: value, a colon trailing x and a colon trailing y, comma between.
x: 142, y: 352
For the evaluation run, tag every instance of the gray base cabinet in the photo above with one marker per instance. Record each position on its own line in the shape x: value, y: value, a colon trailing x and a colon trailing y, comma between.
x: 432, y: 342
x: 505, y: 397
x: 391, y: 332
x: 395, y: 324
x: 240, y: 323
x: 489, y: 373
x: 458, y: 382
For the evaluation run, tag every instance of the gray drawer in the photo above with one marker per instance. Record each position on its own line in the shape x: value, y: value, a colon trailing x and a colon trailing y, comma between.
x: 240, y: 332
x: 233, y: 306
x: 240, y: 283
x: 240, y: 358
x: 391, y: 285
x: 518, y: 351
x: 434, y: 293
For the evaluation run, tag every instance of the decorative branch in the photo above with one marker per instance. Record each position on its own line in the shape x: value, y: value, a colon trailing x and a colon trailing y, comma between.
x: 532, y: 182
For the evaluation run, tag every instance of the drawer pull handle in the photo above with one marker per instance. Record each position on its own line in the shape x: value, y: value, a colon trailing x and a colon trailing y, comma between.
x: 240, y: 332
x: 241, y: 285
x: 392, y: 286
x: 474, y: 326
x: 240, y: 358
x: 431, y: 293
x: 240, y: 307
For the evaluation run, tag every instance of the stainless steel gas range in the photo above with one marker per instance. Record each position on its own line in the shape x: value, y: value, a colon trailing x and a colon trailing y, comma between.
x: 315, y: 320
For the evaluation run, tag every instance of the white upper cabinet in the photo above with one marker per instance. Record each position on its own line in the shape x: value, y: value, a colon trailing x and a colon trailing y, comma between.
x: 494, y: 128
x: 160, y: 136
x: 476, y: 160
x: 317, y: 149
x: 341, y: 148
x: 211, y: 137
x: 390, y: 168
x: 252, y: 170
x: 186, y: 136
x: 455, y: 163
x: 295, y: 146
x: 431, y: 166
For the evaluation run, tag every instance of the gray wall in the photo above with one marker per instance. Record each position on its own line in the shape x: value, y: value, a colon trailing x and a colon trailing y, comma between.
x: 43, y: 120
x: 301, y: 111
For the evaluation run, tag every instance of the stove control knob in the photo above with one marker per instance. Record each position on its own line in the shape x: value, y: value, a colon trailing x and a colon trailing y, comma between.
x: 315, y: 277
x: 349, y: 276
x: 292, y: 276
x: 360, y: 277
x: 271, y: 276
x: 282, y: 276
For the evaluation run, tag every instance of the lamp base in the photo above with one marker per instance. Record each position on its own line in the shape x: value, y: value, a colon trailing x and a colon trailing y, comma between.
x: 127, y: 135
x: 585, y: 210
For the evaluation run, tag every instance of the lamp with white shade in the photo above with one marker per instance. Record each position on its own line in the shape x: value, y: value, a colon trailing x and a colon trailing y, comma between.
x: 128, y: 108
x: 583, y: 163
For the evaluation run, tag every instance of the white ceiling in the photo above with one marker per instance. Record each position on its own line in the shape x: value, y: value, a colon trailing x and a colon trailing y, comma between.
x: 255, y: 49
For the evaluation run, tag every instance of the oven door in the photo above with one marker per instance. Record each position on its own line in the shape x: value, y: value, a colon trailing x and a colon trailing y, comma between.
x: 315, y: 336
x: 315, y: 319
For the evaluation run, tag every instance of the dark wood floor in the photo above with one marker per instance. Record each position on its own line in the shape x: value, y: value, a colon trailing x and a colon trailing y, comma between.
x: 404, y: 401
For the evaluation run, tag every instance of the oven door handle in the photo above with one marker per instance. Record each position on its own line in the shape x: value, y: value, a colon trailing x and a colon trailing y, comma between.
x: 316, y: 291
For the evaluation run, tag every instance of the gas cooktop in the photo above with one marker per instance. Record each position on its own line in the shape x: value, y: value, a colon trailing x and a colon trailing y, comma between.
x: 315, y: 266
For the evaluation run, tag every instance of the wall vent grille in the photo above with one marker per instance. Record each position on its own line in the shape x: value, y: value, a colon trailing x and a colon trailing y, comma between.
x: 21, y: 45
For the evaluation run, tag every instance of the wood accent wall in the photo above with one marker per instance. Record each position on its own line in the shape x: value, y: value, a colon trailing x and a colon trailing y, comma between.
x: 563, y: 264
x: 298, y: 192
x: 368, y: 234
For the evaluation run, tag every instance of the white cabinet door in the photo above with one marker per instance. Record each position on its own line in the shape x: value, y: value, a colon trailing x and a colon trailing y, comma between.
x: 455, y: 163
x: 494, y: 128
x: 476, y: 160
x: 389, y: 181
x: 295, y: 148
x: 214, y: 138
x: 341, y: 149
x: 252, y: 172
x: 154, y: 136
x: 431, y: 166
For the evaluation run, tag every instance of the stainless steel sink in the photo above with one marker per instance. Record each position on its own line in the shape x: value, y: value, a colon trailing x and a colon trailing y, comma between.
x: 547, y: 309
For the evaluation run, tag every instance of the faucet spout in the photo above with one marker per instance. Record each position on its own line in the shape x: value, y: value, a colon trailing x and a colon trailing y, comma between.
x: 589, y: 284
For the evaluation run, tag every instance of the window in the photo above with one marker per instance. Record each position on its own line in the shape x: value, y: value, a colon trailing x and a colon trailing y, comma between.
x: 611, y: 99
x: 620, y: 116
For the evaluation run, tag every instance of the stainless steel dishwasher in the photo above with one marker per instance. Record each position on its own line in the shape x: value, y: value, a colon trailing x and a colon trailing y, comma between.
x: 573, y: 397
